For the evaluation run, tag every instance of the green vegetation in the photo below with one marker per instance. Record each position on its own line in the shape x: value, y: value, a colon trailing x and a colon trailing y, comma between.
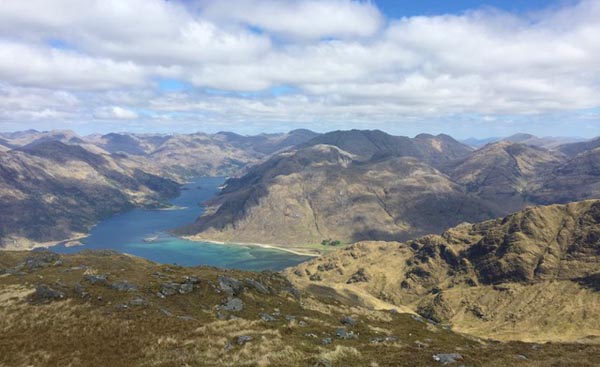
x: 330, y: 242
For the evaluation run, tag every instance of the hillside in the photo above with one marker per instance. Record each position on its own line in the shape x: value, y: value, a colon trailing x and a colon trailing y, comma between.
x: 50, y: 191
x: 108, y: 309
x: 319, y: 192
x: 532, y: 275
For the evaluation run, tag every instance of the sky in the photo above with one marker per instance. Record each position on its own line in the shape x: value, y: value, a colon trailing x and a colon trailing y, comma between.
x: 466, y: 68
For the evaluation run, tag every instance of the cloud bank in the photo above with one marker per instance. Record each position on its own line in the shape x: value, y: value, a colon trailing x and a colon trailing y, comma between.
x: 252, y: 65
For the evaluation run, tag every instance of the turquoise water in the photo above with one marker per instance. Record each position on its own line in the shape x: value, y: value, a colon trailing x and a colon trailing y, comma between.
x: 126, y: 233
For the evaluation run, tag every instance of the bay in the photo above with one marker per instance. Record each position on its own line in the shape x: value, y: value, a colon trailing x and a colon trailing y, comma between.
x: 144, y: 233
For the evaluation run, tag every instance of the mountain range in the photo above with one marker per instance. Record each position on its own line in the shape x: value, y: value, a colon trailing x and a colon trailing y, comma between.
x: 355, y: 185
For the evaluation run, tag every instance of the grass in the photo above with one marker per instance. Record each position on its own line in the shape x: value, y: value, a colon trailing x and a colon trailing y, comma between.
x: 96, y: 331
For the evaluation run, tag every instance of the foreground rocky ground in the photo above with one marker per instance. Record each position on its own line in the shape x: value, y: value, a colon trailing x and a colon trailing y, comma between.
x: 109, y: 309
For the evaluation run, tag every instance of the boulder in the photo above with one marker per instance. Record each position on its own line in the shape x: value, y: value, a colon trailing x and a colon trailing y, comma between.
x: 100, y: 279
x: 446, y: 358
x: 138, y: 301
x: 123, y: 286
x: 45, y: 294
x: 169, y: 289
x: 233, y: 304
x: 243, y: 339
x: 259, y: 287
x: 267, y: 317
x: 230, y: 286
x: 348, y: 320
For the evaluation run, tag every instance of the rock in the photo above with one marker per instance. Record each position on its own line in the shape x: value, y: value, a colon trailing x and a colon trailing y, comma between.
x: 123, y: 286
x: 267, y: 317
x: 138, y: 301
x: 348, y: 320
x: 228, y: 346
x: 326, y: 341
x: 45, y: 294
x: 359, y: 277
x: 378, y: 339
x: 186, y: 288
x: 169, y: 289
x: 446, y: 358
x: 191, y: 279
x: 302, y: 323
x: 293, y: 291
x: 311, y: 335
x: 41, y: 259
x: 233, y: 304
x: 323, y: 363
x: 298, y: 273
x: 290, y: 317
x: 261, y: 288
x: 100, y: 279
x: 80, y: 290
x: 243, y: 339
x: 186, y: 318
x: 341, y: 333
x: 230, y: 286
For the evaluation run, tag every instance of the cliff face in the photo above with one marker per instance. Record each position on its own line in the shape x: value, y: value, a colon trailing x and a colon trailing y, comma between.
x: 532, y: 275
x: 50, y: 191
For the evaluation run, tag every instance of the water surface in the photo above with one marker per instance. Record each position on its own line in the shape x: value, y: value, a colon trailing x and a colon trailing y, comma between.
x: 143, y: 232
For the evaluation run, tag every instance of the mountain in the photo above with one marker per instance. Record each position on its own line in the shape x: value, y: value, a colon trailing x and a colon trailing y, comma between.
x: 369, y: 144
x: 548, y: 142
x: 478, y: 143
x: 532, y: 275
x: 58, y: 308
x: 504, y: 173
x: 387, y: 188
x: 51, y: 191
x: 317, y: 192
x: 575, y: 148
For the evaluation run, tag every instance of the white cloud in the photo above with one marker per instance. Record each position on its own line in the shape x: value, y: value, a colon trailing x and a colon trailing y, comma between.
x: 115, y: 113
x: 343, y: 60
x: 309, y: 19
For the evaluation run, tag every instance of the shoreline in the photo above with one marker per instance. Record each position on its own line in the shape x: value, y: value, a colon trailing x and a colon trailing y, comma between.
x: 295, y: 251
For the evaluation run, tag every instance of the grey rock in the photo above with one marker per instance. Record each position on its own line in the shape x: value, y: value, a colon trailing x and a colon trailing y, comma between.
x: 290, y: 317
x: 228, y: 346
x: 186, y: 288
x: 80, y: 290
x: 45, y: 294
x: 258, y: 286
x: 230, y: 286
x: 302, y: 323
x: 298, y: 273
x: 446, y: 358
x: 138, y: 301
x: 169, y: 289
x: 341, y: 332
x: 99, y: 279
x: 191, y: 279
x: 233, y: 304
x: 186, y: 318
x: 348, y: 320
x: 123, y: 286
x: 326, y: 341
x: 323, y: 363
x: 267, y: 317
x: 311, y: 335
x: 166, y: 312
x: 293, y: 291
x: 243, y: 339
x: 42, y: 259
x: 359, y: 277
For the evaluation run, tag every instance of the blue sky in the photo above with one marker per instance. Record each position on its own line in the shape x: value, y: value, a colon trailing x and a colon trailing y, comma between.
x: 466, y: 68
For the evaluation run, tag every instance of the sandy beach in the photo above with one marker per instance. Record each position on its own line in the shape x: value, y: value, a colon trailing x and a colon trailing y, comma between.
x: 295, y: 251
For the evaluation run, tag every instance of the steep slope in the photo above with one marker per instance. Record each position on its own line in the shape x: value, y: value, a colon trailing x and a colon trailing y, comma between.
x: 532, y: 275
x: 504, y: 173
x: 576, y: 179
x: 575, y: 148
x: 108, y: 309
x: 307, y: 195
x: 50, y: 191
